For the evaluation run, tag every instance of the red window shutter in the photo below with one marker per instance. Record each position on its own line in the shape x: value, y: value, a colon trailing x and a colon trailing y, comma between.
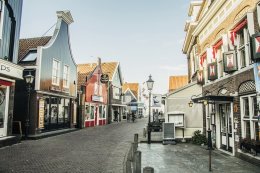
x: 240, y: 25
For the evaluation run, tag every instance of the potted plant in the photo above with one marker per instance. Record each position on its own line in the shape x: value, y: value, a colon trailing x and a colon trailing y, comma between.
x: 255, y: 146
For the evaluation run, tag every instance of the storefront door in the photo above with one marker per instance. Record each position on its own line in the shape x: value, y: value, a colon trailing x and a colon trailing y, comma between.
x: 225, y: 127
x: 3, y: 110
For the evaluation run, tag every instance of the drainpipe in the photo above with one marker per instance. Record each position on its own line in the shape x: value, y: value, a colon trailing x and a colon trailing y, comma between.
x: 12, y: 32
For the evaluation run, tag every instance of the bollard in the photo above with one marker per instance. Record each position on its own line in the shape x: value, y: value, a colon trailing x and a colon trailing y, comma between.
x: 133, y: 150
x: 148, y: 170
x: 128, y: 166
x: 137, y: 160
x: 144, y: 133
x: 136, y: 138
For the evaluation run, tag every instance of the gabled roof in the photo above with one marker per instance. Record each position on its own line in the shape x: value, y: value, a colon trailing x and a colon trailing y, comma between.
x: 176, y: 82
x: 86, y: 69
x: 134, y: 87
x: 25, y: 45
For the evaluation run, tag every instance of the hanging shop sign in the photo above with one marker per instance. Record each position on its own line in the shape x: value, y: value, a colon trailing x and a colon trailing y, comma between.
x: 96, y: 98
x: 200, y: 77
x: 230, y: 62
x: 104, y: 78
x: 212, y: 71
x: 255, y: 42
x: 10, y: 69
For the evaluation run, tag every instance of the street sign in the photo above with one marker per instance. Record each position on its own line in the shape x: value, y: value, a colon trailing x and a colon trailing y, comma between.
x: 104, y: 78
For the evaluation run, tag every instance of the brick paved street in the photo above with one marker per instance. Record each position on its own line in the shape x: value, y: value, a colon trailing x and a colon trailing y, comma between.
x: 91, y: 150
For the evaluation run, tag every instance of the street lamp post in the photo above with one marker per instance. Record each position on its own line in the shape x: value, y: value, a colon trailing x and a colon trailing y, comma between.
x: 29, y: 80
x: 205, y: 102
x: 149, y: 83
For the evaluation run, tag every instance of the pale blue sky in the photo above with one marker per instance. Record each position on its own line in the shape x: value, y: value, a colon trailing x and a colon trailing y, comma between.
x: 145, y: 36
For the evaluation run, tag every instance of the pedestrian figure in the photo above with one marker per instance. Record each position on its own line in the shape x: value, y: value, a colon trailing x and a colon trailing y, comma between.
x: 116, y: 115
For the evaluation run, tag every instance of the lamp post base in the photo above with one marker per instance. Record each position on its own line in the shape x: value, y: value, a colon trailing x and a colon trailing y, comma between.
x: 148, y: 134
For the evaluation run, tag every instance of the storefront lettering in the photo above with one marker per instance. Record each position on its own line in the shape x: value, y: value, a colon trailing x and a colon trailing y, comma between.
x: 5, y: 68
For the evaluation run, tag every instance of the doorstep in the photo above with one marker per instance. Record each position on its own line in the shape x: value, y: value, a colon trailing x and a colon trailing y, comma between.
x: 9, y: 140
x: 52, y: 133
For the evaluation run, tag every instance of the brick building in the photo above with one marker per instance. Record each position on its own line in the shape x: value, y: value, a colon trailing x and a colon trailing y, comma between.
x: 219, y: 55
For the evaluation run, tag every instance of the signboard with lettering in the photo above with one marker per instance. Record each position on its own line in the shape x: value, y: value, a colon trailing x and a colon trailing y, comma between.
x: 10, y: 69
x: 97, y: 98
x: 41, y: 114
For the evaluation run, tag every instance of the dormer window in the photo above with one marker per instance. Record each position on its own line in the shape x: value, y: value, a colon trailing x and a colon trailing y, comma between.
x: 30, y: 56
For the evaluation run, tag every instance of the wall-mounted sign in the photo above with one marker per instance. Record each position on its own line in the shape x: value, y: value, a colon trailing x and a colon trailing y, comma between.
x: 104, y: 78
x: 230, y: 61
x: 177, y: 119
x: 212, y: 71
x: 96, y: 98
x: 255, y: 42
x: 156, y: 100
x: 41, y: 114
x: 200, y: 77
x: 10, y: 69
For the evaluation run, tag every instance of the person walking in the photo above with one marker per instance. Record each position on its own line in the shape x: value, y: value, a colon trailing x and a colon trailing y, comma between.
x: 116, y: 115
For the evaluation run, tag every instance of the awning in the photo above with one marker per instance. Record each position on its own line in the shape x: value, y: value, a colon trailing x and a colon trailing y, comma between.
x: 211, y: 98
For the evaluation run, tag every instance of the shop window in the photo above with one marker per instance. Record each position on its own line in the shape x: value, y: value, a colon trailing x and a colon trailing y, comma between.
x: 257, y: 131
x: 61, y: 111
x: 66, y: 76
x: 250, y: 128
x: 247, y: 129
x: 2, y: 106
x: 47, y: 111
x: 104, y: 111
x: 92, y: 111
x: 55, y: 72
x: 100, y: 111
x: 66, y: 110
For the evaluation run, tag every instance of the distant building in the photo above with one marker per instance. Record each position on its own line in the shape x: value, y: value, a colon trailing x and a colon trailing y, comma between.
x: 132, y: 98
x: 176, y: 82
x: 95, y: 101
x: 114, y: 101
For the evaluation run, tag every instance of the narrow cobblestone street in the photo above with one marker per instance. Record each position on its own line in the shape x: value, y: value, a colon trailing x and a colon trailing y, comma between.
x: 99, y: 149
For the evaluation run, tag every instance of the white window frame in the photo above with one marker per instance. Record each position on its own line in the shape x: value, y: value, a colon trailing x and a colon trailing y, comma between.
x: 66, y: 77
x: 57, y: 82
x: 251, y: 118
x: 244, y: 47
x: 220, y: 59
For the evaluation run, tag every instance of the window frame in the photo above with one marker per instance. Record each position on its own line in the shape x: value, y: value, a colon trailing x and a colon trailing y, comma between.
x: 57, y: 83
x: 251, y: 118
x: 66, y: 84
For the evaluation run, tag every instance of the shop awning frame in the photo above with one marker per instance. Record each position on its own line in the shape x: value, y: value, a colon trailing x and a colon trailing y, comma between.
x: 213, y: 99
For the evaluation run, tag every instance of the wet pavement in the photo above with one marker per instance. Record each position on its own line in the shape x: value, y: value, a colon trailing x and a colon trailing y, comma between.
x: 189, y: 158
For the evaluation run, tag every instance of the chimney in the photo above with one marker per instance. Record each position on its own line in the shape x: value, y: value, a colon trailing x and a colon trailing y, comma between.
x: 99, y: 61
